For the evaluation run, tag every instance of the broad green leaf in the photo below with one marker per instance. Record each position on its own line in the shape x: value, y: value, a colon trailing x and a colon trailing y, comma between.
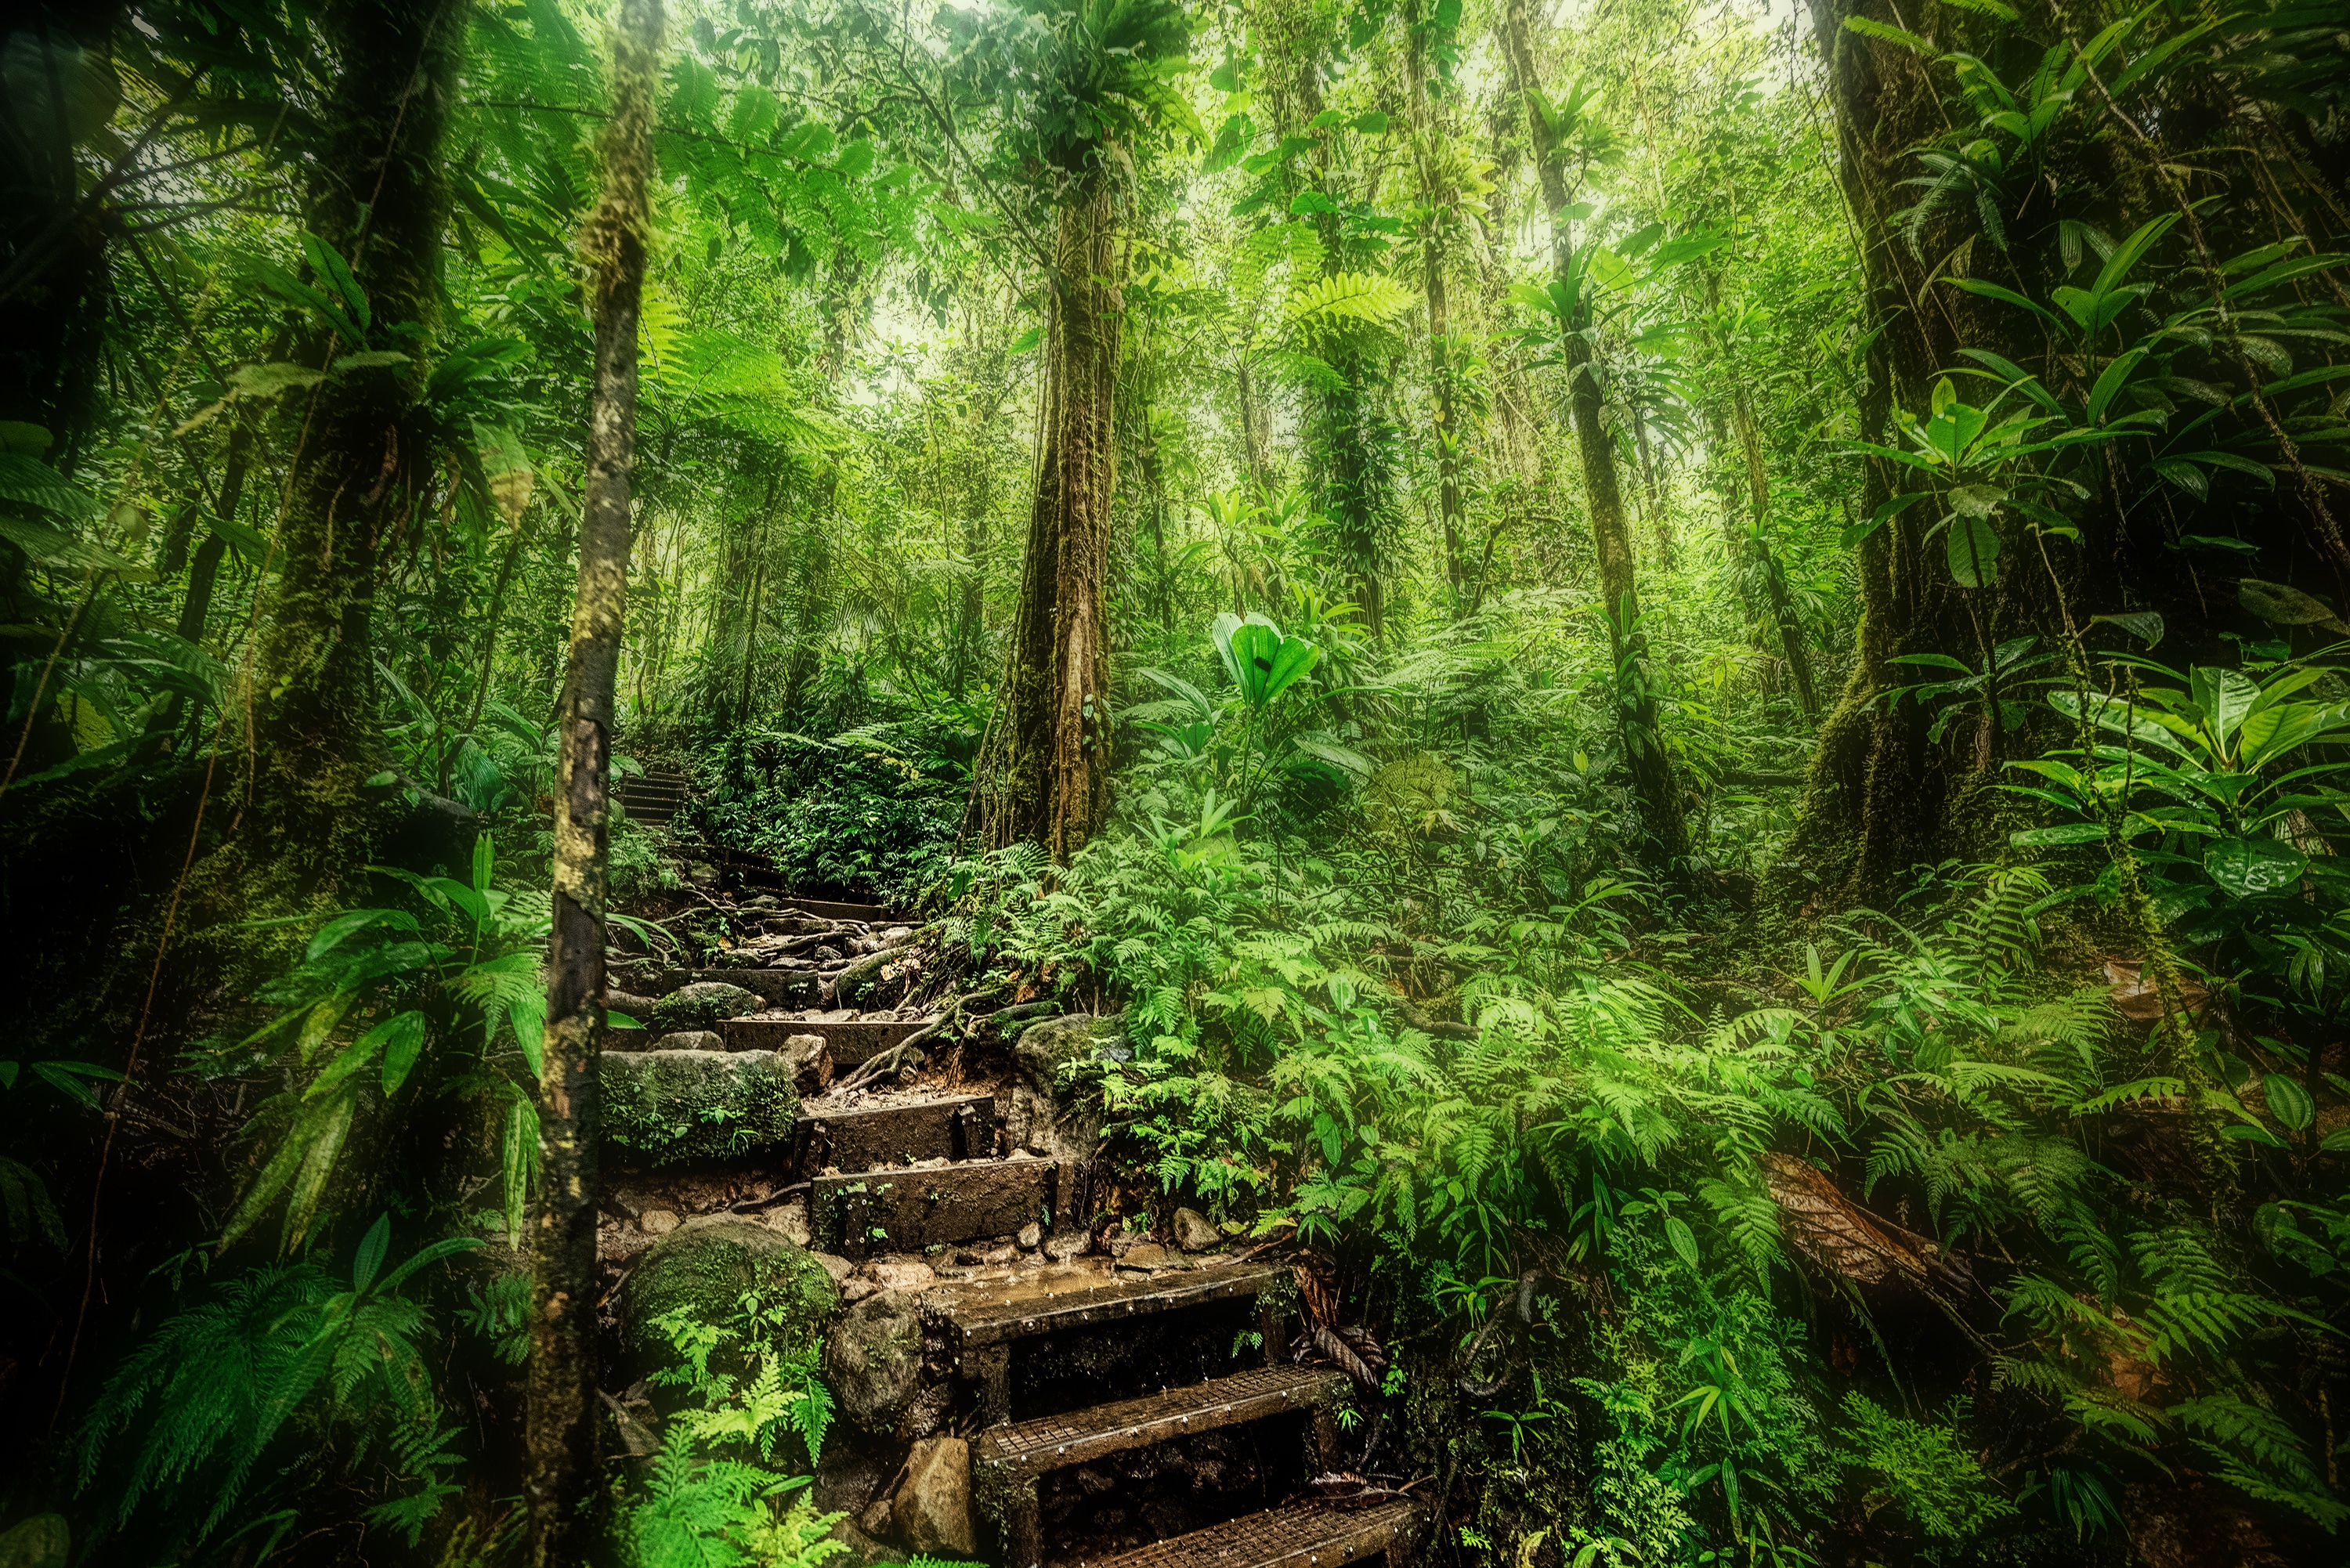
x: 518, y: 1164
x: 2007, y: 296
x: 2282, y: 606
x: 372, y: 1247
x: 1683, y: 1240
x: 1972, y: 548
x: 402, y: 1038
x: 321, y: 1139
x: 369, y: 359
x: 66, y: 1078
x: 2224, y: 696
x: 1886, y: 511
x: 528, y: 1017
x: 2144, y: 625
x: 2067, y: 833
x: 48, y: 546
x: 343, y: 926
x: 248, y: 543
x: 33, y: 482
x: 257, y: 383
x: 2246, y: 868
x: 2288, y: 1101
x: 1891, y: 35
x: 2110, y: 382
x: 321, y: 1022
x: 330, y: 267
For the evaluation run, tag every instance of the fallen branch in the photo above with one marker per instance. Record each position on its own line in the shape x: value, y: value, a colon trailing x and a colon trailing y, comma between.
x: 1427, y: 1025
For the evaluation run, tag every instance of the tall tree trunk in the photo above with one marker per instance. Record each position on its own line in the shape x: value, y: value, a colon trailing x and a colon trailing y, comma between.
x: 1884, y: 791
x: 378, y: 200
x: 1659, y: 522
x: 1651, y: 769
x: 1054, y: 785
x: 750, y: 646
x: 1436, y: 195
x: 383, y: 206
x: 1251, y: 437
x: 1883, y: 797
x: 1766, y: 558
x: 560, y: 1470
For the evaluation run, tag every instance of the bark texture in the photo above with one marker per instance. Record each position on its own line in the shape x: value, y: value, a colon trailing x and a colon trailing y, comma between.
x: 1053, y: 786
x: 303, y: 820
x: 1761, y: 559
x: 1662, y: 819
x: 560, y: 1473
x: 380, y: 203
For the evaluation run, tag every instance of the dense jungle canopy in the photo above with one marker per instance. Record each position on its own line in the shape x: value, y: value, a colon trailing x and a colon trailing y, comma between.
x: 1624, y: 719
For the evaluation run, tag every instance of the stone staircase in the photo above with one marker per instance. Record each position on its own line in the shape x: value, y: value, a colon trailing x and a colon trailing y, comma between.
x: 1013, y: 1387
x: 654, y: 796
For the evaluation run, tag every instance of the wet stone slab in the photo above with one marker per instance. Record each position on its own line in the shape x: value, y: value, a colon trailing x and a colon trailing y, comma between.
x: 879, y: 1133
x: 1045, y: 1301
x: 1306, y: 1535
x: 861, y: 1213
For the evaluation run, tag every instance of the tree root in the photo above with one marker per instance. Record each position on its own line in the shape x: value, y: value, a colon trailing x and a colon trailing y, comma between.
x: 908, y: 1052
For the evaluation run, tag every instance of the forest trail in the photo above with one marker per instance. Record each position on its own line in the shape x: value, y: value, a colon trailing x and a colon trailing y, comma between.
x: 1081, y: 1401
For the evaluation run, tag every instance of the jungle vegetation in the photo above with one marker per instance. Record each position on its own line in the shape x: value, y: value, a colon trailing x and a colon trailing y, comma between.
x: 1694, y: 653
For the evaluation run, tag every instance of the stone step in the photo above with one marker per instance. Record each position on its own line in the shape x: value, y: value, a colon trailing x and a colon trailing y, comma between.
x: 857, y: 1215
x: 1317, y: 1534
x: 893, y: 1130
x: 977, y: 1314
x: 853, y: 1041
x: 1007, y: 1462
x: 1054, y: 1442
x: 776, y: 987
x: 661, y: 1107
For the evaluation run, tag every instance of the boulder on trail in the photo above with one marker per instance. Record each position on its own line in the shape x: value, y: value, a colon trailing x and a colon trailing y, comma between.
x: 807, y: 1062
x: 706, y: 1270
x: 932, y: 1513
x: 690, y: 1040
x: 1036, y: 1120
x: 703, y: 1005
x: 662, y: 1107
x: 1193, y: 1233
x: 873, y: 1361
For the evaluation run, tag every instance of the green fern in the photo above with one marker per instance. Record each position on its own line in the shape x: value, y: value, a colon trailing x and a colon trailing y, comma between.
x: 207, y: 1393
x: 31, y: 1212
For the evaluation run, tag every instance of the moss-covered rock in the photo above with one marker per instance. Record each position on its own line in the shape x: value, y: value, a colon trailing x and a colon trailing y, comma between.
x: 1039, y: 1119
x: 704, y: 1004
x: 707, y: 1269
x: 662, y: 1107
x: 873, y: 1361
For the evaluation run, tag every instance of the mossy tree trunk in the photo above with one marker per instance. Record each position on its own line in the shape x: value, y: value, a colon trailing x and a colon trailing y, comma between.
x: 1886, y: 794
x: 359, y: 463
x: 560, y: 1475
x: 1755, y: 548
x: 1438, y: 195
x: 1053, y: 787
x: 1662, y: 821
